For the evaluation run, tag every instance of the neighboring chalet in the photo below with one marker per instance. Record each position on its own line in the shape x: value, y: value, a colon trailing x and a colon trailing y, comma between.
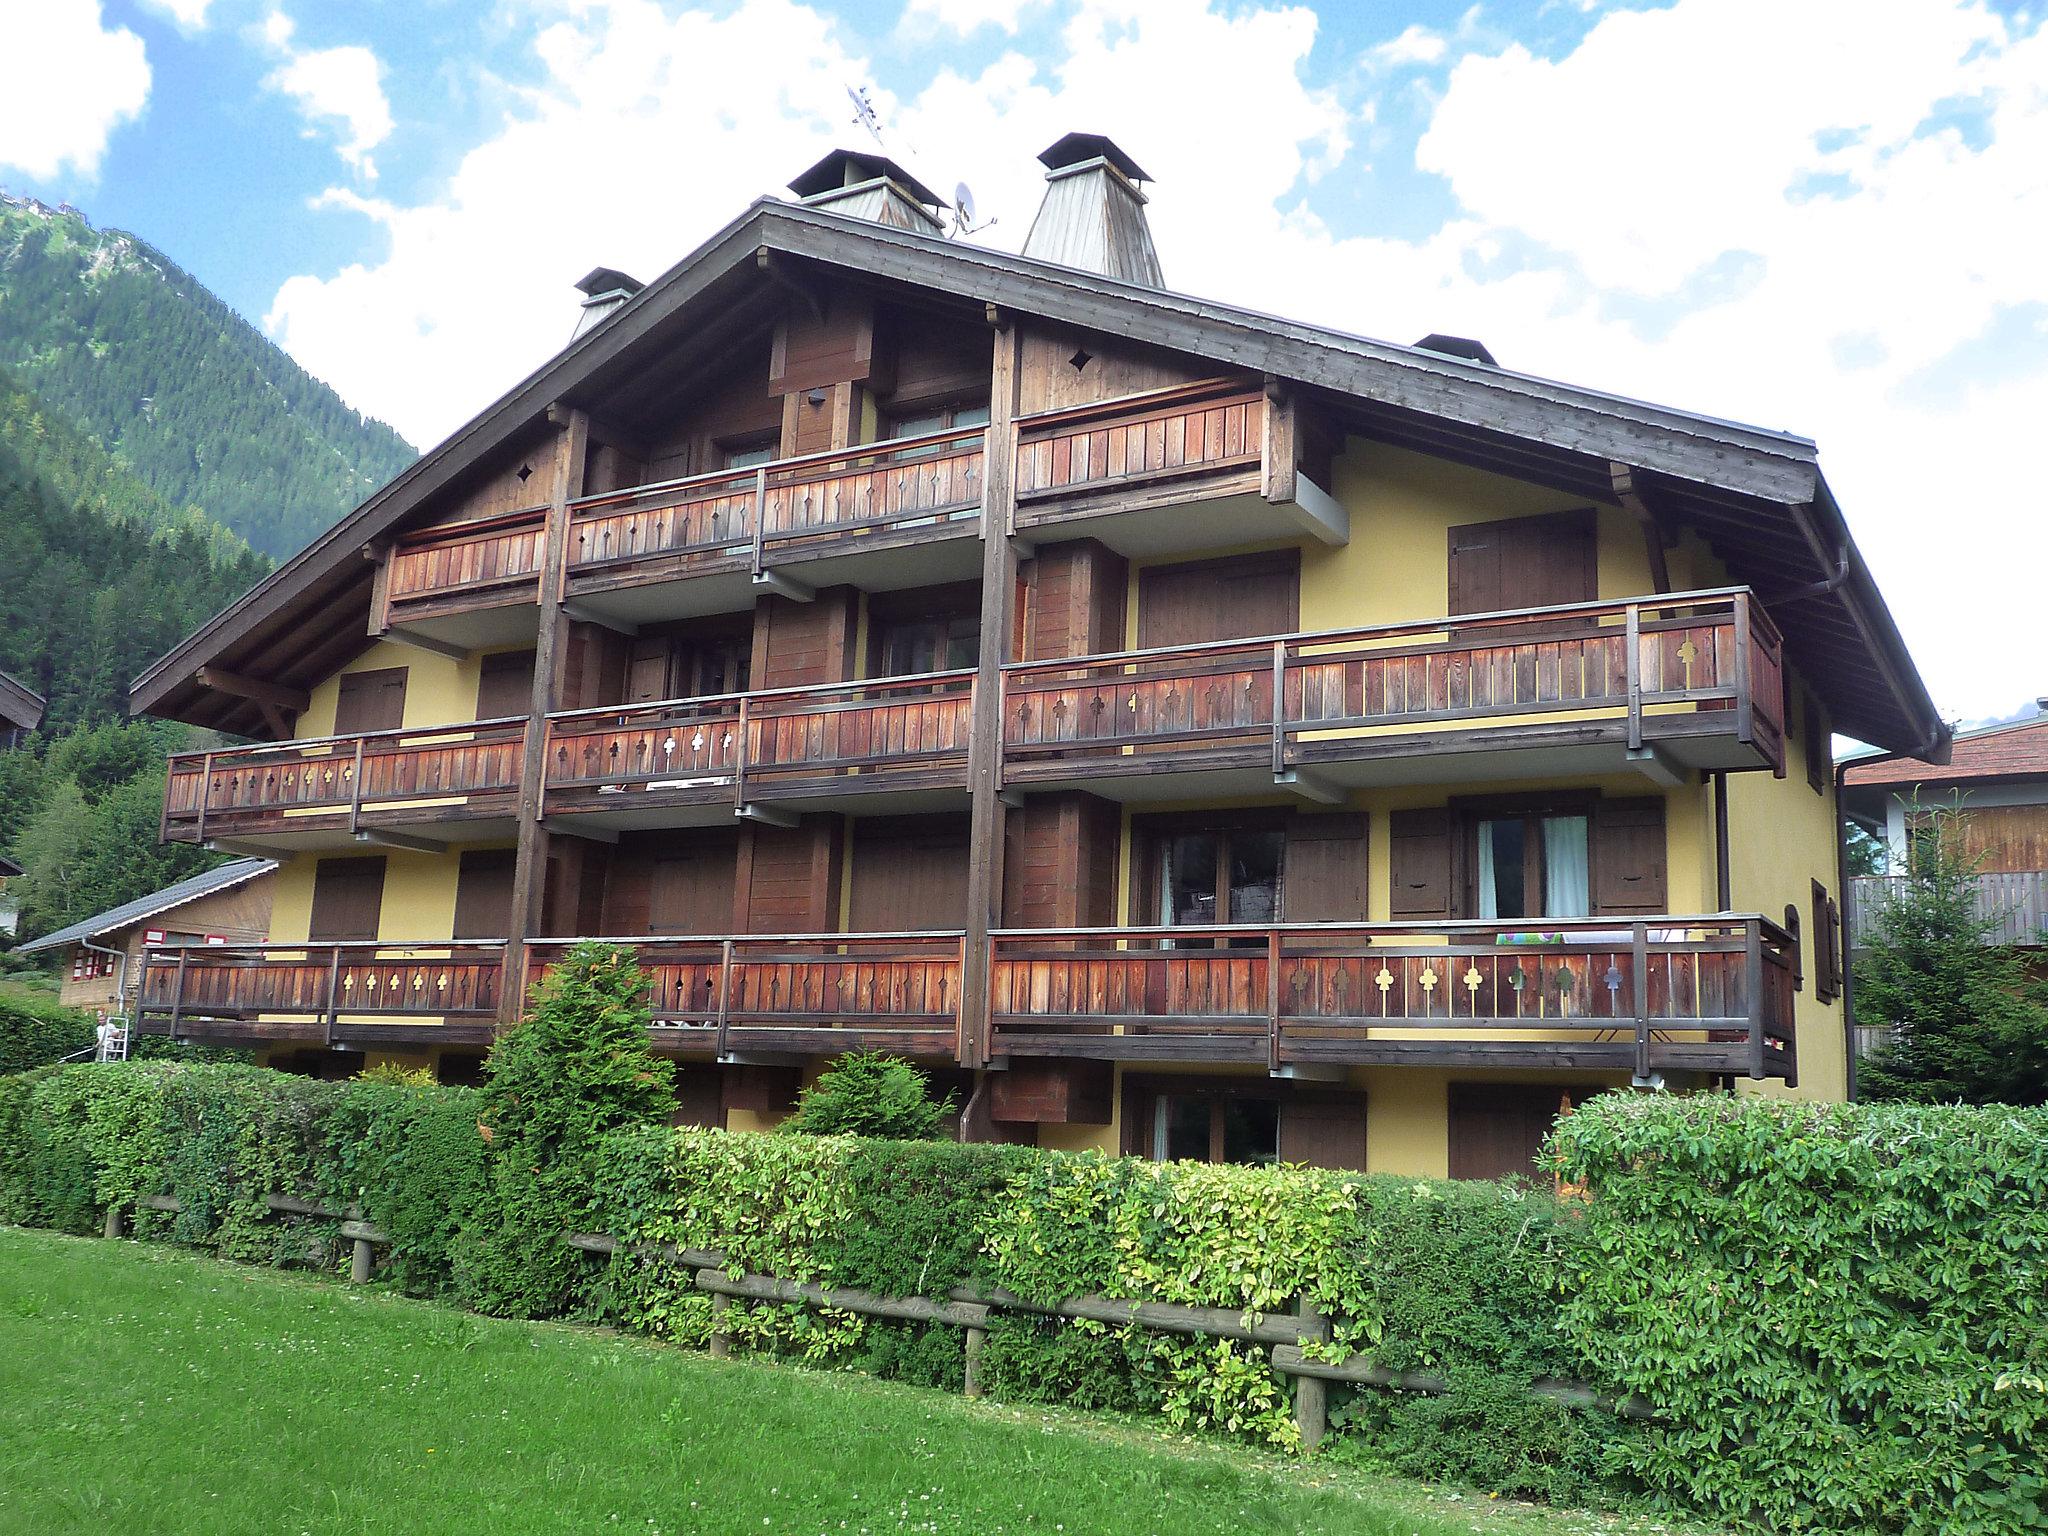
x: 20, y: 712
x: 101, y: 957
x: 1182, y: 729
x: 1997, y: 781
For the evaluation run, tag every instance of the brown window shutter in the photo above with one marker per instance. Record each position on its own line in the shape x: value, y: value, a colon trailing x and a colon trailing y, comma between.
x: 348, y: 897
x: 1629, y: 858
x: 1524, y: 562
x: 1818, y: 757
x: 647, y: 670
x: 483, y: 893
x: 370, y: 701
x: 1835, y: 976
x: 1324, y: 877
x: 1219, y: 599
x: 1419, y: 849
x: 1497, y: 1129
x: 1827, y: 965
x: 1798, y: 957
x: 689, y: 890
x: 1323, y: 1133
x: 504, y: 685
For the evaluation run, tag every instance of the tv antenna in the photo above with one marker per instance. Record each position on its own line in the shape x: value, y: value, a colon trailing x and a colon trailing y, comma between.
x: 864, y: 112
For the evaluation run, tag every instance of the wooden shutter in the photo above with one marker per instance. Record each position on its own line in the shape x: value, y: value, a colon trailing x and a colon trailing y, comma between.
x: 504, y: 685
x: 1827, y: 946
x: 909, y: 874
x: 1498, y: 1128
x: 1219, y: 599
x: 1419, y: 850
x: 1628, y: 856
x: 1324, y: 876
x: 1324, y: 1133
x: 348, y: 898
x: 1798, y: 957
x: 1818, y: 758
x: 370, y: 701
x: 647, y: 670
x: 483, y: 893
x: 1524, y: 562
x: 690, y: 890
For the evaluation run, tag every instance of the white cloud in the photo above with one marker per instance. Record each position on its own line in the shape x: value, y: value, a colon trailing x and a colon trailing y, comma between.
x: 190, y: 15
x: 343, y: 86
x: 963, y: 18
x: 70, y: 81
x: 1667, y: 211
x: 1417, y: 44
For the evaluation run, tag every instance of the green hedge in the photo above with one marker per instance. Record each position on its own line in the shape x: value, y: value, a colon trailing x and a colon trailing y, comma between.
x: 1841, y: 1313
x: 1840, y: 1316
x: 35, y: 1032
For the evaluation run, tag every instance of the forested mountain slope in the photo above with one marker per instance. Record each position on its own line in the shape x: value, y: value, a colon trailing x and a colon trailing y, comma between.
x: 112, y: 336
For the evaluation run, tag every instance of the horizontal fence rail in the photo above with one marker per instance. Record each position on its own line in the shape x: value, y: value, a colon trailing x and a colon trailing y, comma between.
x: 1688, y: 664
x: 881, y: 733
x: 314, y: 783
x: 1702, y: 993
x: 1204, y: 430
x: 487, y: 559
x: 2014, y: 902
x: 321, y: 993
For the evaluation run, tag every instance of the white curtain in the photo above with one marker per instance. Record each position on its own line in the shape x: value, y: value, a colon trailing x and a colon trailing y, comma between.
x: 1567, y: 888
x: 1489, y: 897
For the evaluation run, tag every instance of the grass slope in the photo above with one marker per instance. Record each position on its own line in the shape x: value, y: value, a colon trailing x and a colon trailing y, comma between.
x: 145, y: 1389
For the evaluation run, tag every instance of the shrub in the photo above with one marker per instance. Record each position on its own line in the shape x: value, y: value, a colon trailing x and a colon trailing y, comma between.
x: 1840, y: 1313
x: 35, y: 1032
x: 870, y: 1094
x: 576, y: 1068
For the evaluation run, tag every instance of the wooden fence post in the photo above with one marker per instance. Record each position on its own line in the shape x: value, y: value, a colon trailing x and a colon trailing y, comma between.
x: 977, y: 1336
x: 721, y: 1341
x: 114, y: 1222
x: 1311, y: 1393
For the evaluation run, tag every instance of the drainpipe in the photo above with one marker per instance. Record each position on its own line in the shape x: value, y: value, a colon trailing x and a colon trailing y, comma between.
x: 1848, y: 996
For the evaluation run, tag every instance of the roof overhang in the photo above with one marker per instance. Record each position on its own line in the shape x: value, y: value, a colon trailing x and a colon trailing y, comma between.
x: 20, y: 707
x: 1756, y: 492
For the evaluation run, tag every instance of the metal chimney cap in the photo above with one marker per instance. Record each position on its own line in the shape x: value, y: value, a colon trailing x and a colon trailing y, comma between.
x: 843, y: 168
x: 1457, y: 346
x: 1077, y: 147
x: 606, y: 280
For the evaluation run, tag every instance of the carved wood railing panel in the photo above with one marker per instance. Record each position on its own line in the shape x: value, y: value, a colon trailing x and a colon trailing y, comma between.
x: 486, y: 558
x: 320, y: 983
x: 1200, y: 429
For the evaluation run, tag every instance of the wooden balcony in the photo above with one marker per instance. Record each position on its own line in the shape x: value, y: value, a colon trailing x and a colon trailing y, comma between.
x: 327, y: 791
x: 1206, y: 465
x: 2013, y: 902
x: 1689, y: 681
x: 895, y: 743
x: 799, y: 994
x: 1668, y: 994
x: 322, y: 994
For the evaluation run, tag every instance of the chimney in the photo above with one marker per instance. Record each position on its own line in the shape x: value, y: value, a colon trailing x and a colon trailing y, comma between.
x: 1093, y: 216
x: 604, y: 290
x: 873, y: 187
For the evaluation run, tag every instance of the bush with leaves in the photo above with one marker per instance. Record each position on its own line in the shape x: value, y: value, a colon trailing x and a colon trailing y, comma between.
x: 37, y: 1032
x: 1966, y: 1019
x: 1839, y: 1313
x: 574, y: 1070
x: 870, y: 1094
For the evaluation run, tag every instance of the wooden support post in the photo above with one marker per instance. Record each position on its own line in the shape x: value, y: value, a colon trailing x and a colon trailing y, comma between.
x: 721, y: 1341
x: 1640, y: 1002
x: 1633, y: 660
x: 1745, y: 705
x: 1723, y: 881
x: 985, y: 741
x: 333, y: 987
x: 1311, y: 1394
x: 1753, y: 984
x: 529, y: 869
x: 205, y: 794
x: 114, y: 1222
x: 970, y: 1380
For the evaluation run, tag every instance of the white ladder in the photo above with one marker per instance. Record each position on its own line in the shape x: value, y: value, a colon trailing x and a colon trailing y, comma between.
x: 113, y: 1046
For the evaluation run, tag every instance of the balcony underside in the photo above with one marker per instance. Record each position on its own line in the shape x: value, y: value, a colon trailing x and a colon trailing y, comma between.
x: 645, y: 808
x: 477, y: 819
x: 1217, y: 512
x: 1703, y: 742
x: 472, y: 621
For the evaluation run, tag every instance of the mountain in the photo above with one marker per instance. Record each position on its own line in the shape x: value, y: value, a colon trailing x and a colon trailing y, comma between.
x: 187, y: 398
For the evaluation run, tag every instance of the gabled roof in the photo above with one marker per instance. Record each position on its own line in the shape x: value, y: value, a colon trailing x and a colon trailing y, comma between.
x: 116, y: 919
x: 8, y: 868
x: 2015, y: 750
x: 1756, y: 494
x: 19, y: 707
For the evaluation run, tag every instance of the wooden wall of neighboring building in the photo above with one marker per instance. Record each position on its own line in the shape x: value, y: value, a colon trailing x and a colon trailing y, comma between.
x: 2007, y: 838
x: 241, y: 915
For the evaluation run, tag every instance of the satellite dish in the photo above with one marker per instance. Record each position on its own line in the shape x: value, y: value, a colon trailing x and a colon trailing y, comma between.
x: 963, y: 202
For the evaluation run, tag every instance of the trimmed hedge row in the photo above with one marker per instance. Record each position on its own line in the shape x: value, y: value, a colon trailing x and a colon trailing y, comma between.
x: 1840, y: 1315
x: 35, y: 1032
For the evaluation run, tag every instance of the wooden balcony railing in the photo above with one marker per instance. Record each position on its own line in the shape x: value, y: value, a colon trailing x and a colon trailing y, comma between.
x: 323, y: 993
x: 1657, y: 670
x: 822, y: 992
x: 323, y: 782
x: 2014, y: 902
x: 860, y: 737
x: 473, y: 564
x: 1709, y: 994
x: 1213, y: 431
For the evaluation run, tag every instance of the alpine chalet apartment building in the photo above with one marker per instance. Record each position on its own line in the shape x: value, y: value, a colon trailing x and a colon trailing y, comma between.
x: 1186, y: 732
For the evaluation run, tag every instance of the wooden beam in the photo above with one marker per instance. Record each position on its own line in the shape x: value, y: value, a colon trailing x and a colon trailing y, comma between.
x: 767, y: 815
x: 422, y: 642
x: 988, y: 816
x: 631, y: 444
x: 570, y: 826
x: 377, y: 837
x: 1630, y: 497
x: 780, y: 272
x: 277, y: 695
x: 584, y: 615
x: 280, y: 725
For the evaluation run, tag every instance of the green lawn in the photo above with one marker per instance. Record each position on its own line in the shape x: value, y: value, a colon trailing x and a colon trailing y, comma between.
x: 147, y: 1389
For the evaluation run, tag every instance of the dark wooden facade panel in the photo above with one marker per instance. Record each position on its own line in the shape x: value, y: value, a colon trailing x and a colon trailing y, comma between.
x: 1524, y: 562
x: 1202, y: 600
x: 483, y: 893
x: 909, y: 873
x: 800, y: 644
x: 1075, y: 595
x: 1497, y: 1129
x: 789, y: 877
x: 370, y: 701
x: 348, y: 898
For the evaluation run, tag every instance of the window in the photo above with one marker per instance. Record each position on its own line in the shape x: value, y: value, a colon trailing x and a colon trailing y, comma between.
x: 905, y: 647
x: 1532, y: 866
x: 749, y: 453
x: 1215, y: 1128
x: 942, y: 418
x: 1219, y: 875
x: 1241, y: 1120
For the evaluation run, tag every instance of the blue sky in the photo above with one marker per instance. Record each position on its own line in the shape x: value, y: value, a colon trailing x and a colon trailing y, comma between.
x: 1819, y: 215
